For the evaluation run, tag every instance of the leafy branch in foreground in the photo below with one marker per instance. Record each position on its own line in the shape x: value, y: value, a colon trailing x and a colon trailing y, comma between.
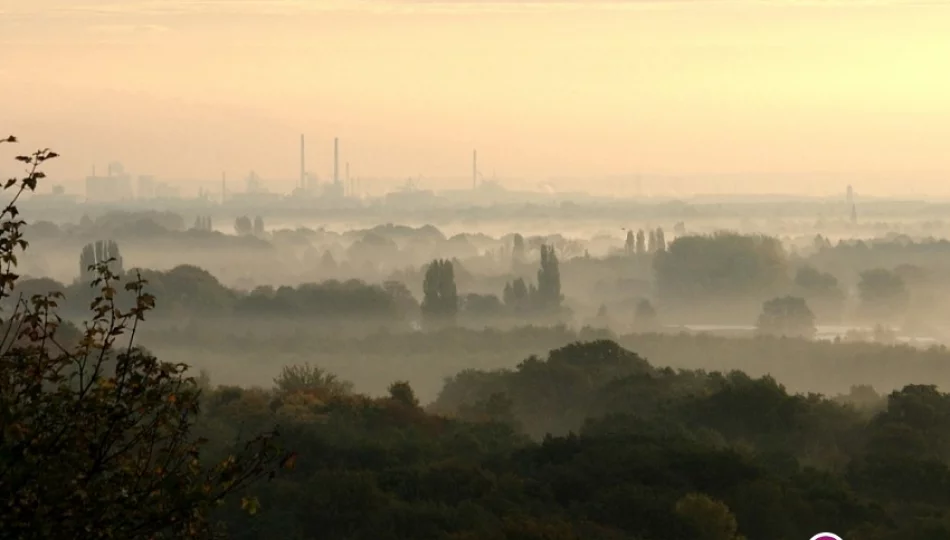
x: 96, y: 436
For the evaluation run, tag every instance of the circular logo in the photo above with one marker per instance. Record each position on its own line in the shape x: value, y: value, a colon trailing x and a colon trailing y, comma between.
x: 826, y: 536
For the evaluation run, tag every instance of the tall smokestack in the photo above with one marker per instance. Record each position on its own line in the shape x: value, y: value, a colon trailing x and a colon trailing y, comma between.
x: 336, y: 161
x: 224, y: 187
x: 303, y: 169
x: 474, y: 169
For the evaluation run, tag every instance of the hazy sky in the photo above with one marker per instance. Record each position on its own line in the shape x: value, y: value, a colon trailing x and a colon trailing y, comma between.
x: 188, y: 88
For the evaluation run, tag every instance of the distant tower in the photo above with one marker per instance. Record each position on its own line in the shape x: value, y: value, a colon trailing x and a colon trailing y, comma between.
x: 303, y: 173
x: 474, y: 169
x: 854, y: 214
x: 336, y: 161
x: 224, y: 187
x: 850, y: 195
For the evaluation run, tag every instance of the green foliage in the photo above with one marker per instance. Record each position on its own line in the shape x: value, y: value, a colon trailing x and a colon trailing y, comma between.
x: 403, y: 393
x: 658, y: 454
x: 351, y: 299
x: 308, y: 378
x: 373, y: 359
x: 100, y: 438
x: 709, y: 519
x: 188, y: 290
x: 564, y: 403
x: 97, y: 435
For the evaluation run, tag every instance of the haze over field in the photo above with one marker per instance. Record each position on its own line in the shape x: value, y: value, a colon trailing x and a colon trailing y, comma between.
x: 449, y: 270
x: 793, y: 92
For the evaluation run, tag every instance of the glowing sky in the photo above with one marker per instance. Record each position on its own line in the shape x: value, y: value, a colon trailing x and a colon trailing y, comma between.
x: 186, y: 89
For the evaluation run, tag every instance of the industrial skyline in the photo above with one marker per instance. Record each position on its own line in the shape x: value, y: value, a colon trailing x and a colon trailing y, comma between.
x: 118, y: 184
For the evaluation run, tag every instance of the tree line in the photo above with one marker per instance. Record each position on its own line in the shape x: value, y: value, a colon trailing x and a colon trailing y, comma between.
x: 102, y: 440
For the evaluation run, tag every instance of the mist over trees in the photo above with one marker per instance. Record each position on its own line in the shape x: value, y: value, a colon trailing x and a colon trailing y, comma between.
x: 432, y: 383
x: 97, y: 433
x: 99, y: 252
x: 441, y: 302
x: 788, y: 316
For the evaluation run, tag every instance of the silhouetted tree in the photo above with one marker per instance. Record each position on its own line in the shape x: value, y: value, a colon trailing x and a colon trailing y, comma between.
x: 723, y: 267
x: 820, y: 243
x: 311, y: 379
x: 883, y: 293
x: 660, y: 239
x: 516, y: 294
x: 786, y: 316
x: 440, y: 301
x: 812, y: 283
x: 243, y: 226
x: 629, y: 246
x: 259, y: 226
x: 821, y: 291
x: 641, y: 242
x: 402, y: 392
x: 549, y: 279
x: 517, y: 249
x: 98, y: 436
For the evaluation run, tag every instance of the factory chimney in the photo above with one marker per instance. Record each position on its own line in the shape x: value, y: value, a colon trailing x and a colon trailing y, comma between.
x: 336, y: 161
x: 303, y: 170
x: 224, y: 188
x: 474, y: 169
